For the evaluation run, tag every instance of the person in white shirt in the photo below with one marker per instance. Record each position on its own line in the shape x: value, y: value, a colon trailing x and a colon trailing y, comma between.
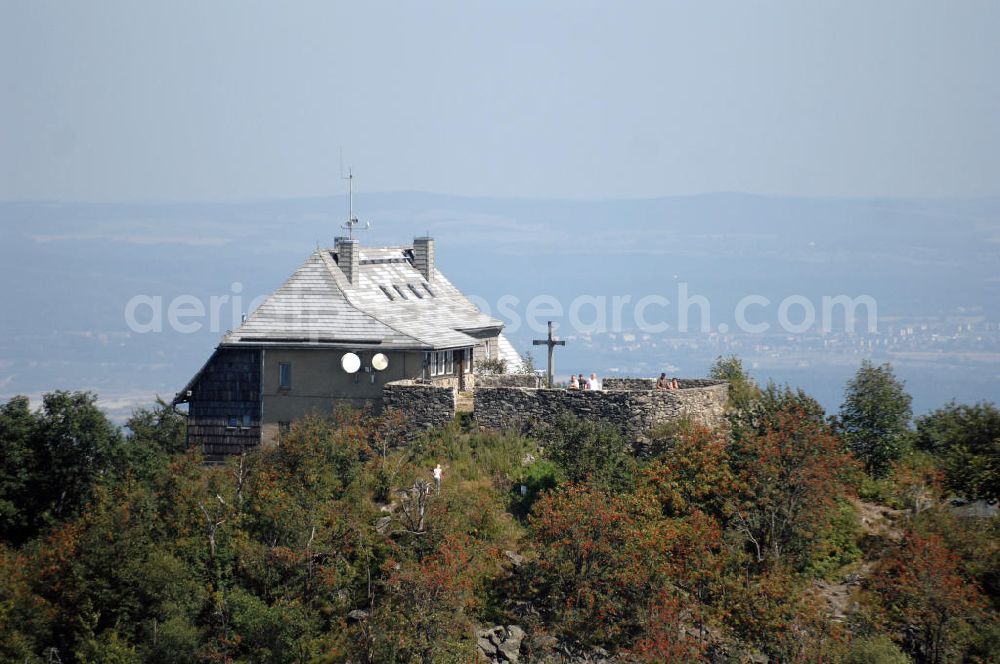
x: 437, y: 477
x: 595, y: 382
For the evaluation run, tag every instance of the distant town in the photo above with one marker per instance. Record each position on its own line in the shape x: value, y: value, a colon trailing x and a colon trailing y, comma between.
x: 966, y: 347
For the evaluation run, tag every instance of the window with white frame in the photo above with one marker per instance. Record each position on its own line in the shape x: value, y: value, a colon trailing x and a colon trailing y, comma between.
x: 441, y: 362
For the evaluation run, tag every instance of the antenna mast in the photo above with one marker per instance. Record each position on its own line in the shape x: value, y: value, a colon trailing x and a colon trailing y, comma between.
x: 352, y: 221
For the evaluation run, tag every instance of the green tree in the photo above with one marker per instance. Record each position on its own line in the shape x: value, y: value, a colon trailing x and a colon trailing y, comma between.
x: 967, y: 440
x: 923, y: 592
x: 76, y: 444
x: 18, y: 469
x: 875, y: 417
x: 769, y: 406
x: 493, y: 366
x: 52, y: 460
x: 595, y: 563
x: 527, y: 363
x: 151, y: 437
x: 692, y: 474
x: 742, y: 389
x: 782, y: 398
x: 592, y: 451
x: 110, y: 648
x: 19, y: 622
x: 878, y: 649
x: 424, y: 613
x: 787, y: 480
x: 762, y: 610
x: 541, y: 476
x: 666, y: 638
x: 160, y: 426
x: 273, y: 633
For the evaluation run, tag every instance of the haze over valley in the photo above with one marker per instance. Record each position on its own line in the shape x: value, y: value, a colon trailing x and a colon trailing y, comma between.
x: 930, y: 265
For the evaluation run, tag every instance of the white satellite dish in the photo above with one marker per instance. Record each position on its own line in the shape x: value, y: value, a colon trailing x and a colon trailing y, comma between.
x: 350, y: 362
x: 380, y: 362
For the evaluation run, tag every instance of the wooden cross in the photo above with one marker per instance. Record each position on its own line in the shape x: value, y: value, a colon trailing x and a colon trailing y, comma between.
x: 551, y: 343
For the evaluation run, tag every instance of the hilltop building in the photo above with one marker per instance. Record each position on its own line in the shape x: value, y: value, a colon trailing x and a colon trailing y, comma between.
x: 350, y: 320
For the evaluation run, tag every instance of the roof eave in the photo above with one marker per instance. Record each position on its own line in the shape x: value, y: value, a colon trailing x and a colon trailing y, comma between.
x: 182, y: 396
x: 483, y: 328
x: 350, y: 345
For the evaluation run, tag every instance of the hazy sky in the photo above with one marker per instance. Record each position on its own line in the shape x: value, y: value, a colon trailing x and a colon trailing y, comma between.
x: 219, y: 100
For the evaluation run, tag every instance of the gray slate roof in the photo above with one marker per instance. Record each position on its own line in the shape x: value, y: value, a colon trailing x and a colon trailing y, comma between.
x: 318, y: 305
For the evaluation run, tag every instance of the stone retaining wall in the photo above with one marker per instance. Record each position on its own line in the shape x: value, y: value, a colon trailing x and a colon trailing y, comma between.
x: 629, y: 383
x: 634, y: 412
x: 509, y: 380
x: 639, y: 384
x: 424, y: 405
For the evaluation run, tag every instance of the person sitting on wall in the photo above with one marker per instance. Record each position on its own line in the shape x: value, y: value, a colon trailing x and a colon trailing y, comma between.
x: 662, y: 383
x: 674, y: 385
x: 595, y: 382
x: 573, y: 384
x: 584, y: 385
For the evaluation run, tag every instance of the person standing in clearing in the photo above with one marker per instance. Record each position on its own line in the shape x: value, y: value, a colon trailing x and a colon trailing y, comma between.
x: 437, y: 477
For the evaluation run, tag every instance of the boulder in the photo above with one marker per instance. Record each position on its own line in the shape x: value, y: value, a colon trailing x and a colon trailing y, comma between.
x: 511, y: 651
x: 515, y: 559
x: 500, y: 644
x: 382, y: 524
x: 487, y: 648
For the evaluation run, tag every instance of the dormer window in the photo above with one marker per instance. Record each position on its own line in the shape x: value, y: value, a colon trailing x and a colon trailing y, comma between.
x: 400, y: 291
x: 388, y: 295
x: 415, y: 291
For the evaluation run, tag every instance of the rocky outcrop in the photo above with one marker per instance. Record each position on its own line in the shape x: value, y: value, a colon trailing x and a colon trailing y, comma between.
x: 500, y: 644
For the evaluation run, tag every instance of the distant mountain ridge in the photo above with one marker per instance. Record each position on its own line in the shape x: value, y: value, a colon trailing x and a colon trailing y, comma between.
x: 72, y: 267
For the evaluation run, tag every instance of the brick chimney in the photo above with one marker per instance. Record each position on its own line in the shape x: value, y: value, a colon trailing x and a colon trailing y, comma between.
x: 348, y: 258
x: 423, y: 256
